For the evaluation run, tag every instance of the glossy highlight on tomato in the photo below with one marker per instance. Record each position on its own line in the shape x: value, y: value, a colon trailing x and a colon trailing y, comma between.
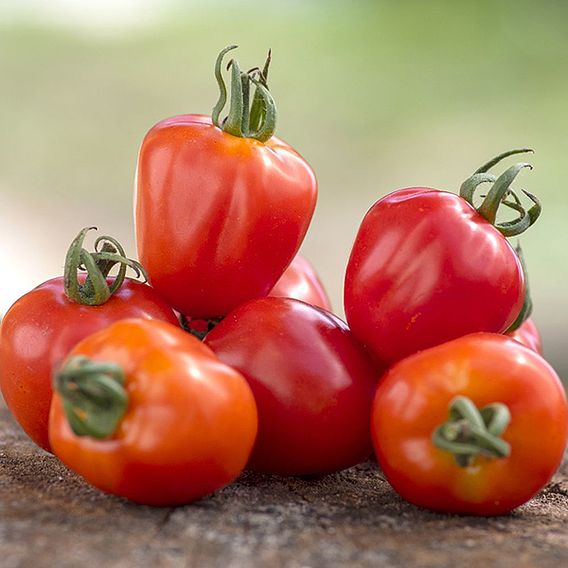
x: 412, y: 402
x: 312, y: 381
x: 187, y: 427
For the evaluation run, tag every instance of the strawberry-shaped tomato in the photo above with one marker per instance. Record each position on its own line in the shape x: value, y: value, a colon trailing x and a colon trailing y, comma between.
x: 427, y: 266
x: 222, y: 206
x: 43, y: 325
x: 145, y: 411
x: 301, y: 282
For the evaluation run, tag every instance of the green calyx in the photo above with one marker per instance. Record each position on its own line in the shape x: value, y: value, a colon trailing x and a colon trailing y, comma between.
x: 527, y: 308
x: 246, y: 119
x: 93, y: 395
x: 501, y: 193
x: 95, y: 290
x: 470, y: 432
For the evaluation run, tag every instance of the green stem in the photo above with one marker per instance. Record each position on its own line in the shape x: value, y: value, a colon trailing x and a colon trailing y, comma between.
x: 268, y: 125
x: 500, y: 194
x: 93, y: 396
x: 95, y: 290
x: 258, y: 108
x: 527, y: 308
x: 222, y: 87
x: 494, y: 161
x: 234, y: 123
x: 470, y: 432
x: 499, y: 190
x: 244, y: 120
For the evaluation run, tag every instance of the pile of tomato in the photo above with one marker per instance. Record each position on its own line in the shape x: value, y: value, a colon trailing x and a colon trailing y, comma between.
x: 222, y: 353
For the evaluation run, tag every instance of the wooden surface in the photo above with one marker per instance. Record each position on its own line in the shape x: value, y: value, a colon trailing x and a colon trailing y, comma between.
x: 50, y: 518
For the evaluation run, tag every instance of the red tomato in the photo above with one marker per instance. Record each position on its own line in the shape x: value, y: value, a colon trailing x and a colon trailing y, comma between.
x: 508, y: 452
x: 41, y: 328
x: 528, y: 335
x: 231, y: 208
x: 301, y: 282
x: 427, y: 267
x: 312, y: 382
x: 145, y: 411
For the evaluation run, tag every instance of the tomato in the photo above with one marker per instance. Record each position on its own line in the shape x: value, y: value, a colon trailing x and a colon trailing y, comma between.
x: 229, y: 203
x: 43, y: 325
x: 508, y: 452
x: 301, y: 282
x: 528, y: 335
x: 146, y: 411
x: 313, y: 384
x: 427, y: 267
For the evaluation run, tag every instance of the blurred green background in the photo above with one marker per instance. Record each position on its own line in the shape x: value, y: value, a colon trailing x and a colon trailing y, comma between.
x: 375, y: 95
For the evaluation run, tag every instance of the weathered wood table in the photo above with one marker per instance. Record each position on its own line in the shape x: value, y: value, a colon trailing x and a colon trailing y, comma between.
x: 50, y: 518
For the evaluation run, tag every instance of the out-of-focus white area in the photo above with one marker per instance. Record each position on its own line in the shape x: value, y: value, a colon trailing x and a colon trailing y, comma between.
x: 20, y: 234
x: 105, y: 16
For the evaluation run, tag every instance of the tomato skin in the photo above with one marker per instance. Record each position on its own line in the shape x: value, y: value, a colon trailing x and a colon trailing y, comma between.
x: 301, y: 282
x: 190, y: 423
x: 528, y: 335
x: 427, y: 268
x: 41, y: 328
x: 313, y: 384
x: 226, y: 209
x: 412, y: 400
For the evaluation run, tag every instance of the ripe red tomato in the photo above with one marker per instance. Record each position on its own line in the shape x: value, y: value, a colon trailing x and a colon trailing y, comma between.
x: 484, y: 463
x: 145, y: 411
x: 313, y: 385
x: 528, y: 335
x: 427, y: 267
x: 41, y: 328
x: 230, y: 205
x: 301, y: 282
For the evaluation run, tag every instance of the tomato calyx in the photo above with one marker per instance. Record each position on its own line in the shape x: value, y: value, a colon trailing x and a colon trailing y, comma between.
x: 502, y: 194
x: 199, y: 328
x: 95, y: 290
x: 527, y: 308
x: 470, y: 432
x: 245, y: 119
x: 93, y: 396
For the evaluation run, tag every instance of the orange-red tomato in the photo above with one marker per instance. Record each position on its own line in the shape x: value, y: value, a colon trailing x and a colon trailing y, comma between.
x: 40, y: 329
x: 231, y: 212
x: 301, y: 282
x: 412, y: 402
x: 528, y: 335
x: 227, y: 200
x: 189, y: 425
